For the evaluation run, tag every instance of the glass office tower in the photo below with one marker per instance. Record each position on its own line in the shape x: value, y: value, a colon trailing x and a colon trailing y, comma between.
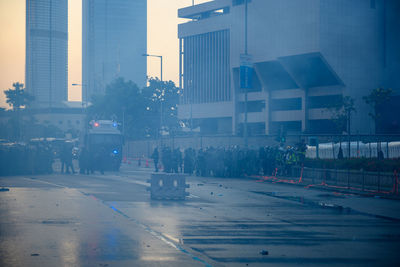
x: 47, y: 51
x: 114, y: 38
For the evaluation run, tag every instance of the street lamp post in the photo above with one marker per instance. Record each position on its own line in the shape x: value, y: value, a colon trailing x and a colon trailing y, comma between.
x: 161, y: 61
x: 245, y: 130
x: 161, y: 102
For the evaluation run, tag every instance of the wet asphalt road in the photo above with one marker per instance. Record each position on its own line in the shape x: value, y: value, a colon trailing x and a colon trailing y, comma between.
x: 110, y: 220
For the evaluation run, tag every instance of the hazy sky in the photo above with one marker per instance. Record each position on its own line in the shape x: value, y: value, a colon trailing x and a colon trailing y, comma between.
x: 161, y: 40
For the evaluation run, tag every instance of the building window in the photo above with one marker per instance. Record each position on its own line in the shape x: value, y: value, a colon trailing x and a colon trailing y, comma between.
x: 285, y: 127
x: 325, y: 101
x: 239, y: 2
x: 324, y: 127
x: 286, y: 104
x: 255, y: 128
x: 252, y: 106
x: 206, y: 75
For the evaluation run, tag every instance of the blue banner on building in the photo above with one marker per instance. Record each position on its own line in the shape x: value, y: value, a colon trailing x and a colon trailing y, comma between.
x: 246, y: 71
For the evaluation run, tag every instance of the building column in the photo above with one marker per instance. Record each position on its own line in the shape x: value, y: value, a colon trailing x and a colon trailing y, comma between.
x: 267, y: 111
x: 304, y: 110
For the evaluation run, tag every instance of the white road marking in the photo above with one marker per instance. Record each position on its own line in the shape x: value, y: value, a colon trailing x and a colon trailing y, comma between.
x: 44, y: 182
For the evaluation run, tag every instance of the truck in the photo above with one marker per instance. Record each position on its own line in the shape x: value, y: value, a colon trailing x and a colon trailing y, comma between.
x: 104, y: 142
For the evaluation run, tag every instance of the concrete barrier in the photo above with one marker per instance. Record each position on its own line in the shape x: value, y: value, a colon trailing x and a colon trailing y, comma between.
x: 168, y: 186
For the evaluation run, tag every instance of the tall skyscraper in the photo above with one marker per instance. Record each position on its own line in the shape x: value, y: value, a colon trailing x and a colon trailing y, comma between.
x: 47, y: 51
x: 114, y: 38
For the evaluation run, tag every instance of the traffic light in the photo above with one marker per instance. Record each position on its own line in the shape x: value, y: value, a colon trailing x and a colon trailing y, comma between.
x: 281, y: 137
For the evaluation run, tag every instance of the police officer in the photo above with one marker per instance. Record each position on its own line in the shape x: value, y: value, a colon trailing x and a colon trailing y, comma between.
x: 155, y: 156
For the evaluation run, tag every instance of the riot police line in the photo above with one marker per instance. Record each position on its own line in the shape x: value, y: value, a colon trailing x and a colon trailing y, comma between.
x: 231, y: 162
x: 22, y: 158
x: 38, y: 157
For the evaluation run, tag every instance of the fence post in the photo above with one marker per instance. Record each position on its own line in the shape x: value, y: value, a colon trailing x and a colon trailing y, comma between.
x: 370, y: 150
x: 363, y: 179
x: 387, y: 149
x: 394, y: 182
x: 379, y: 181
x: 313, y: 175
x: 336, y: 176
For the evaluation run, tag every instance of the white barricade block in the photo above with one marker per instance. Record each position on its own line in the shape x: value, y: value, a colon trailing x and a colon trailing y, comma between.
x: 168, y: 186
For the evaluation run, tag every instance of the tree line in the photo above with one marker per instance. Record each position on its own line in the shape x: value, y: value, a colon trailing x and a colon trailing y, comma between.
x: 142, y: 112
x: 152, y: 110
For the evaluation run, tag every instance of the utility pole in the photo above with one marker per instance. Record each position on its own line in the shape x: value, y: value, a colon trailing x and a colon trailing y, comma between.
x: 162, y: 91
x: 348, y: 130
x: 245, y: 133
x: 18, y: 86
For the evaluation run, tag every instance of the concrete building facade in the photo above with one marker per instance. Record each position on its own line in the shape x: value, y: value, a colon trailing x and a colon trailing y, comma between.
x: 114, y: 38
x: 306, y: 55
x: 47, y: 51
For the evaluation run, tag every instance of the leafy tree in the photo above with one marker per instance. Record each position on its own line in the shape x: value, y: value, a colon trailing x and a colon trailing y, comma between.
x: 163, y: 100
x: 122, y: 102
x: 341, y: 112
x: 377, y: 99
x: 18, y: 97
x: 141, y: 111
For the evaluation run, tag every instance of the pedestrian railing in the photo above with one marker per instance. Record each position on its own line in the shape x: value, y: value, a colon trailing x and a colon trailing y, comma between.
x: 382, y: 182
